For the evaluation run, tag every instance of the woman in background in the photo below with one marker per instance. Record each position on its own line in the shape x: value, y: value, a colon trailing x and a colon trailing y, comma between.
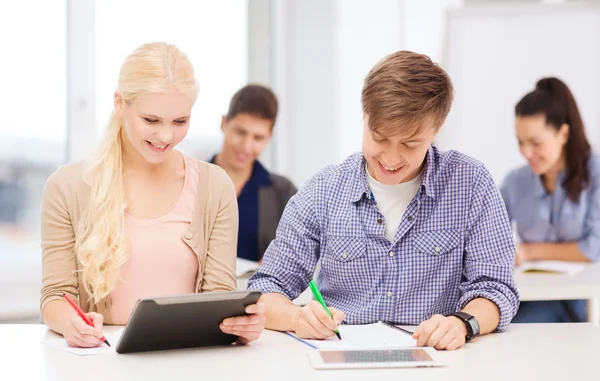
x: 554, y: 200
x: 141, y: 219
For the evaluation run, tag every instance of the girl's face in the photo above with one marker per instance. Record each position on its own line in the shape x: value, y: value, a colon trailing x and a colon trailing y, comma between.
x: 540, y: 143
x: 154, y: 124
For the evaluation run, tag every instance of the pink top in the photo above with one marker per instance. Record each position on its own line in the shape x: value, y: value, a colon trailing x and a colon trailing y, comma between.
x: 160, y: 263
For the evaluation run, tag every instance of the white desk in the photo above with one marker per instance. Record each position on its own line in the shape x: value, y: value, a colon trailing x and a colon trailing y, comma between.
x: 524, y: 352
x: 584, y: 285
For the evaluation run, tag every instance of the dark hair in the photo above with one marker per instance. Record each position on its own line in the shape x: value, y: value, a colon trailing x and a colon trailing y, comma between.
x: 553, y: 99
x: 404, y: 90
x: 256, y: 100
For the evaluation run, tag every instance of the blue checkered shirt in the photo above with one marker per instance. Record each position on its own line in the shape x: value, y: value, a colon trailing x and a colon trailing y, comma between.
x: 453, y: 244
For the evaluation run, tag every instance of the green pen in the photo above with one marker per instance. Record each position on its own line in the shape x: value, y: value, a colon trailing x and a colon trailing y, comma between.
x: 317, y: 294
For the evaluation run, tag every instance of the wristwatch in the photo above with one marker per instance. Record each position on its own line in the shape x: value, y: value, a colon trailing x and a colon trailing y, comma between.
x: 470, y: 322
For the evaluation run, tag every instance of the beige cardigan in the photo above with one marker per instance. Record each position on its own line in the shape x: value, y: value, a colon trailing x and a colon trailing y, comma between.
x: 212, y: 235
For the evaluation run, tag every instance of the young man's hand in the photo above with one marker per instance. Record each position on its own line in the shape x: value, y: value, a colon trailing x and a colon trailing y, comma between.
x: 313, y: 322
x: 441, y: 332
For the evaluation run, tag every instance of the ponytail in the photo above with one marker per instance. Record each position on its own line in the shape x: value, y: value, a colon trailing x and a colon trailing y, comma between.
x: 101, y: 245
x: 553, y: 99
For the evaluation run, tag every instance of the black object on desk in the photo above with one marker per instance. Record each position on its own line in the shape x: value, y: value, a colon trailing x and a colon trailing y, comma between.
x: 183, y: 321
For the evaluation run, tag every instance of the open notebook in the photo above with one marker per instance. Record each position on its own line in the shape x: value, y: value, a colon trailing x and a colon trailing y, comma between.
x: 554, y: 267
x: 367, y: 336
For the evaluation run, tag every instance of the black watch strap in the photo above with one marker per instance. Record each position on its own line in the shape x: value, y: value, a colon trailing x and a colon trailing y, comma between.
x: 470, y: 322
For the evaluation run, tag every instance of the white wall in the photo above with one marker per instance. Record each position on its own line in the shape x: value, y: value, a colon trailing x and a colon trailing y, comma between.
x: 321, y: 53
x: 496, y: 54
x: 426, y: 25
x: 304, y: 78
x: 365, y: 32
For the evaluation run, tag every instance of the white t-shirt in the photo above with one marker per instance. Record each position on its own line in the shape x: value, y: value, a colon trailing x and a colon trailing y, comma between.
x: 392, y: 200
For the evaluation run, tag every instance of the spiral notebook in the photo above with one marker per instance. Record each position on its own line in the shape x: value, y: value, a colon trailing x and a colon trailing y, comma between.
x: 368, y: 336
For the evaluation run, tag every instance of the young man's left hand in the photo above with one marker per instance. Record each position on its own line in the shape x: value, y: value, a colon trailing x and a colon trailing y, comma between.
x: 441, y: 332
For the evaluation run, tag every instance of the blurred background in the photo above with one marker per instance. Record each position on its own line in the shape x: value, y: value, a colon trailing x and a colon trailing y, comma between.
x: 60, y: 62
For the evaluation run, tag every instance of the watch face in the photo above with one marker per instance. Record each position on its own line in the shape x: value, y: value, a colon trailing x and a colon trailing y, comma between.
x: 475, y: 324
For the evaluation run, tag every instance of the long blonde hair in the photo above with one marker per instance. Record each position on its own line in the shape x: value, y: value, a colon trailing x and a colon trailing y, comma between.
x: 101, y: 246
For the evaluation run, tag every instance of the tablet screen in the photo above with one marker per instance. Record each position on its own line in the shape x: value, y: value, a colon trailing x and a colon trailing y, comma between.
x: 375, y: 356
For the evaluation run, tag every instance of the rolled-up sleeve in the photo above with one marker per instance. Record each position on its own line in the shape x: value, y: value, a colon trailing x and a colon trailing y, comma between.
x: 505, y: 190
x: 290, y: 260
x: 489, y: 252
x: 589, y: 244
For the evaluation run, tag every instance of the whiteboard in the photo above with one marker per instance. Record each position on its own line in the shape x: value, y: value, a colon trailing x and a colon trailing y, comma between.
x: 496, y: 53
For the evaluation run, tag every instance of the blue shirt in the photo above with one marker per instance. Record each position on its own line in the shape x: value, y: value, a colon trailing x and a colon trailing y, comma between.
x: 544, y: 217
x: 247, y: 246
x: 454, y: 244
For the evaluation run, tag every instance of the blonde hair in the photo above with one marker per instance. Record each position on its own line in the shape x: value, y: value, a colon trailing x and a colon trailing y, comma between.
x: 101, y: 246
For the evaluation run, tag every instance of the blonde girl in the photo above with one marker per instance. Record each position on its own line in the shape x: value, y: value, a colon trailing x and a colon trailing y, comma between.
x: 140, y: 218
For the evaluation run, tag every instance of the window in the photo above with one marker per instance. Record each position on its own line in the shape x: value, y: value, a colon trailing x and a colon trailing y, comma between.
x: 33, y: 126
x: 212, y: 33
x: 33, y: 137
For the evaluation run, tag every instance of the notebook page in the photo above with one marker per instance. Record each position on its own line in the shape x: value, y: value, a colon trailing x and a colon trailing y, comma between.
x: 368, y: 336
x: 113, y: 339
x: 558, y: 267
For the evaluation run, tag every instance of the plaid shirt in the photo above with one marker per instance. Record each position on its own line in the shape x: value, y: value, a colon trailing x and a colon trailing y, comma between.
x: 453, y: 244
x: 552, y: 217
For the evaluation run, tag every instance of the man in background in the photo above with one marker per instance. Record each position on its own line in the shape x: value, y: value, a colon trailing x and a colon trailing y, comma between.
x: 262, y: 196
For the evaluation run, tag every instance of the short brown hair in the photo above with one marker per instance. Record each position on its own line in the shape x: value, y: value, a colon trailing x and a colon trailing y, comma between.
x: 256, y: 100
x: 406, y: 89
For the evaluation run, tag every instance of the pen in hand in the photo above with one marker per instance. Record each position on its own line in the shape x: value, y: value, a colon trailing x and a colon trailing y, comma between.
x: 317, y: 294
x: 83, y: 316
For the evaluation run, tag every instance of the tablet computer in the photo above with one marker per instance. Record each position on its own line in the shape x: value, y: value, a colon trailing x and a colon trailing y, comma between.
x: 183, y: 321
x: 374, y: 358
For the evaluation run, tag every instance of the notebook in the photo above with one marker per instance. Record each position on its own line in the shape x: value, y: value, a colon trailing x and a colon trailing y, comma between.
x: 368, y: 336
x: 554, y: 267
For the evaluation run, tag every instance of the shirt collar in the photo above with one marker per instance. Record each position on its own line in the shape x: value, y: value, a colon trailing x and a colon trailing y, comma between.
x: 360, y: 186
x: 429, y: 172
x: 539, y: 189
x: 260, y: 176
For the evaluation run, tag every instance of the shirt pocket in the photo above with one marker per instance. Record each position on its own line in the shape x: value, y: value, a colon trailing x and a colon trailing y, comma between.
x: 437, y: 260
x: 436, y: 243
x: 347, y: 267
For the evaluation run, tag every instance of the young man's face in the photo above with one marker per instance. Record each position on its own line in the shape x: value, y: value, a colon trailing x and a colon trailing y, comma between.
x: 395, y: 159
x: 245, y: 137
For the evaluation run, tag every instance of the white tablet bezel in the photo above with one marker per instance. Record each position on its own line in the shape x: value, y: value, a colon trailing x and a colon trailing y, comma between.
x: 317, y: 361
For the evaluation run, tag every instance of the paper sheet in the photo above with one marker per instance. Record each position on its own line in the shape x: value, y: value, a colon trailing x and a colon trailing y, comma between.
x: 113, y: 339
x: 558, y: 267
x: 368, y: 336
x: 244, y: 266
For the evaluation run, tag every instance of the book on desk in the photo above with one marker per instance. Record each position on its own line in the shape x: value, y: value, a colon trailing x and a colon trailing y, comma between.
x: 550, y: 267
